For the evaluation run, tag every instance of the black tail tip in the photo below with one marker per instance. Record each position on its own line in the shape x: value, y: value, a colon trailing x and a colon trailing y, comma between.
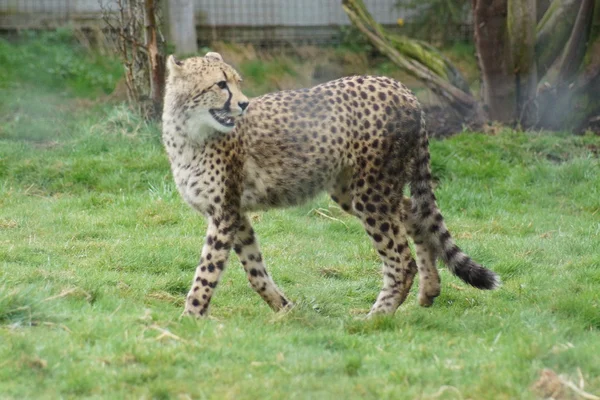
x: 478, y: 276
x: 486, y: 280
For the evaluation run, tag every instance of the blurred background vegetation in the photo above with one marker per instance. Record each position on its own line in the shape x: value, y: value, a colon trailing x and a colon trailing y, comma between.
x: 532, y: 64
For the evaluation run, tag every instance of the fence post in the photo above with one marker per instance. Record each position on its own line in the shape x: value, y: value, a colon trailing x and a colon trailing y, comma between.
x: 182, y: 26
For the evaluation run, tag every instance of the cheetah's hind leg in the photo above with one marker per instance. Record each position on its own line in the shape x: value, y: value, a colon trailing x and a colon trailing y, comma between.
x: 384, y: 225
x: 429, y: 278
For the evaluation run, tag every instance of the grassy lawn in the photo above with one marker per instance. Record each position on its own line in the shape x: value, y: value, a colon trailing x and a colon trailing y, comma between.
x: 97, y: 252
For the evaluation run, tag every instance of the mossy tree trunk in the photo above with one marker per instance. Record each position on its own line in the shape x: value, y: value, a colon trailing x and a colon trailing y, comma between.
x: 497, y: 90
x: 521, y: 41
x: 571, y: 96
x: 552, y: 32
x: 562, y: 91
x: 505, y: 38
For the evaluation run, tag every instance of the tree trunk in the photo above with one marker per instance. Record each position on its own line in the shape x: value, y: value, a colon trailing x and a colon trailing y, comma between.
x: 541, y: 8
x: 141, y: 49
x: 495, y: 61
x: 521, y: 39
x: 182, y: 26
x: 156, y: 59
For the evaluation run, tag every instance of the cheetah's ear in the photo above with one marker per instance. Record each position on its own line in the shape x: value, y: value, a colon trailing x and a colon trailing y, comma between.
x: 174, y: 65
x: 212, y: 54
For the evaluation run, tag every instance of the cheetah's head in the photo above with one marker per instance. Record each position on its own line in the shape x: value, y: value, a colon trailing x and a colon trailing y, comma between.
x: 203, y: 93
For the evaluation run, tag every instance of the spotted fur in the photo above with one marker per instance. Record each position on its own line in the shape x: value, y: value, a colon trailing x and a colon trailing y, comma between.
x: 360, y: 138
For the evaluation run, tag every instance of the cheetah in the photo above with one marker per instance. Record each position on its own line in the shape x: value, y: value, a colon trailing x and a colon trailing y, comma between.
x: 360, y: 138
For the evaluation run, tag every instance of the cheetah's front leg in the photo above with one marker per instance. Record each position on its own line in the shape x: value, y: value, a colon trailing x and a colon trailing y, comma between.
x: 246, y: 247
x: 219, y: 239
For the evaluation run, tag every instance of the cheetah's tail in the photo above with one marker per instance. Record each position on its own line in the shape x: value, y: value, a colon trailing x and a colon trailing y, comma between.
x: 432, y: 227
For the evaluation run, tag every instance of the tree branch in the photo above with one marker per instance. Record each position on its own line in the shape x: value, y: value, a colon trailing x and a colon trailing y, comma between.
x: 416, y: 59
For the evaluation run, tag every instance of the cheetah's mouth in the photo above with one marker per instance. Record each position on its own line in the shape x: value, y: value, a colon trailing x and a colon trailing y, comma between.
x: 222, y: 117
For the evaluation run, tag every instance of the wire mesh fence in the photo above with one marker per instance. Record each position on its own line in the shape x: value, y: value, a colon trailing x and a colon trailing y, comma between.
x: 260, y: 22
x: 264, y: 22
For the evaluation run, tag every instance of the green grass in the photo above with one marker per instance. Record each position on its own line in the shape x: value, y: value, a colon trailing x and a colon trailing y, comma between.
x: 54, y: 60
x: 97, y: 252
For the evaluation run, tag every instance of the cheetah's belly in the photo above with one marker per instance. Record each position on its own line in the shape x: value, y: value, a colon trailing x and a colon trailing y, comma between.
x: 283, y: 186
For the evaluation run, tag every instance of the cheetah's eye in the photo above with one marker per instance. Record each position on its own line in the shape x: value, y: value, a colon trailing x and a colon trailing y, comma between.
x: 222, y: 84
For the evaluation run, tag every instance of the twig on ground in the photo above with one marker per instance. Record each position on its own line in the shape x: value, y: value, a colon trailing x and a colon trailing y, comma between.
x: 578, y: 391
x: 323, y: 213
x: 552, y: 385
x: 116, y: 310
x: 52, y: 324
x: 581, y: 381
x: 166, y: 334
x: 67, y: 292
x: 444, y: 389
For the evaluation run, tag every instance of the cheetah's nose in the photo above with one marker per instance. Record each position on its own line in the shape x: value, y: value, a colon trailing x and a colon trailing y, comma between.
x: 243, y: 105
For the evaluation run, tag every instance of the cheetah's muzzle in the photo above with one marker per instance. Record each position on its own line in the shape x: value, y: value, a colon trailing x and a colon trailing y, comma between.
x: 222, y: 116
